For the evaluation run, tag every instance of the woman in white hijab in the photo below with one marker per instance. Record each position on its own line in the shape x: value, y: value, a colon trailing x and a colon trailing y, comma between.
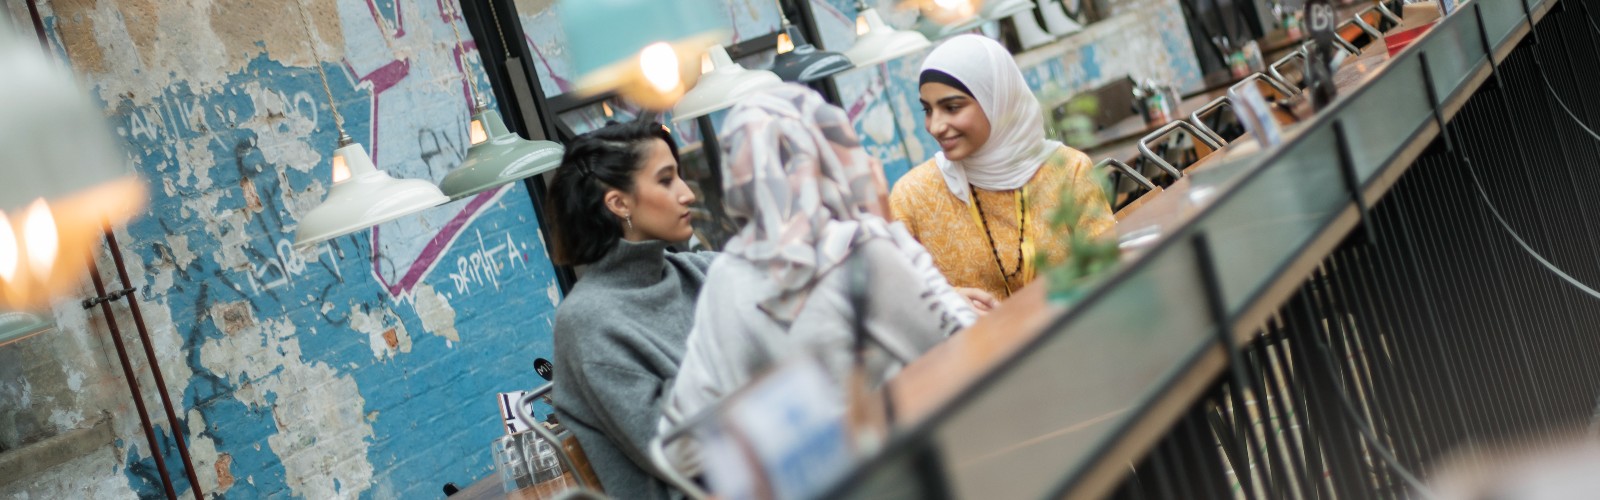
x: 982, y: 205
x: 809, y: 202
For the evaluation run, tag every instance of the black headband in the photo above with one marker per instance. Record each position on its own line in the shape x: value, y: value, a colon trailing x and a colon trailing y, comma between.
x: 936, y: 76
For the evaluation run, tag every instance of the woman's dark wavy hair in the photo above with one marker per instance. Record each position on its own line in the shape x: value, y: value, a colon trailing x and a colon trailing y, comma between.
x: 604, y: 159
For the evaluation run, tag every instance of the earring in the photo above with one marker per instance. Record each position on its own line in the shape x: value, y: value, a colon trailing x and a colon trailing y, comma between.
x: 629, y: 218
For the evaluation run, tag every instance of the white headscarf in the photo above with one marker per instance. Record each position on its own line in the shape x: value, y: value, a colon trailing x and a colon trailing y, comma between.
x: 1016, y: 147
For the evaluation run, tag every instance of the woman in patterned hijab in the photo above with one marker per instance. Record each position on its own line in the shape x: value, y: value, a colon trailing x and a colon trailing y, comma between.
x: 809, y: 201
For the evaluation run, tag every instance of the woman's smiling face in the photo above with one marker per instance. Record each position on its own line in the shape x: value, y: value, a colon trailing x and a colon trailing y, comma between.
x: 954, y: 119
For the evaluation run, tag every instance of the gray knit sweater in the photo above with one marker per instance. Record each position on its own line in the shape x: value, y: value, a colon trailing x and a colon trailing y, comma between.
x: 619, y: 338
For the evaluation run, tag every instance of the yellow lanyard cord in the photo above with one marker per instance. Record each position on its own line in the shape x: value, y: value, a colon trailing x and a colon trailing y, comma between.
x: 1025, y: 245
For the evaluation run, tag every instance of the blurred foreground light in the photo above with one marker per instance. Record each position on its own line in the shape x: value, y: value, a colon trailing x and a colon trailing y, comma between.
x: 62, y: 176
x: 647, y: 51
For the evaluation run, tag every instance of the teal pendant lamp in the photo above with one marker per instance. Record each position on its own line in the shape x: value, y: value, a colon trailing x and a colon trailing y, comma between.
x: 937, y: 31
x: 723, y: 85
x: 496, y: 156
x: 992, y: 11
x: 799, y: 61
x: 995, y: 10
x: 803, y: 63
x: 877, y: 42
x: 648, y: 51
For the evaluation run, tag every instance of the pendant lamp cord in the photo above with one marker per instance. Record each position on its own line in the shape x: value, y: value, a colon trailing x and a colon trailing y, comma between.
x: 472, y: 86
x: 338, y: 120
x: 495, y: 13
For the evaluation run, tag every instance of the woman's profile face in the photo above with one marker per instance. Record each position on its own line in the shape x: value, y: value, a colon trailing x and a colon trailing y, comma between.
x: 660, y: 199
x: 954, y: 119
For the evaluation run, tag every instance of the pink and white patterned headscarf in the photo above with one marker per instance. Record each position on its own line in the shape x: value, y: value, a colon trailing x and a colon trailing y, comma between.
x: 803, y: 190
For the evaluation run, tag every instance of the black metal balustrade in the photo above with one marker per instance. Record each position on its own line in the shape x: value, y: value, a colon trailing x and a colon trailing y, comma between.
x: 1410, y: 279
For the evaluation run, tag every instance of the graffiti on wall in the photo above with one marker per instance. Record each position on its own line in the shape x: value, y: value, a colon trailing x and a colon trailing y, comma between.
x: 307, y: 373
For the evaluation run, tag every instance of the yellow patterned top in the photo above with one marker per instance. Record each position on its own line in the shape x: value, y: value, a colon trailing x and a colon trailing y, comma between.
x: 945, y: 224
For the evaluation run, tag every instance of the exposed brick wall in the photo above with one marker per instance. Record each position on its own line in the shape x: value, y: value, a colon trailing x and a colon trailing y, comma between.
x: 362, y: 367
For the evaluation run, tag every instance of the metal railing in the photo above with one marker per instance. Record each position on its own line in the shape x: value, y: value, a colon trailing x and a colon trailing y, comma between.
x: 1411, y: 273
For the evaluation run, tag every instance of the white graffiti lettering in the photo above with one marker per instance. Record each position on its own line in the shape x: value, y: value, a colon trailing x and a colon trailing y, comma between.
x: 287, y: 263
x: 483, y: 265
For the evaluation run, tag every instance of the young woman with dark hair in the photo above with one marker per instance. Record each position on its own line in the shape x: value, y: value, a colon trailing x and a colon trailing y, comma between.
x: 618, y: 203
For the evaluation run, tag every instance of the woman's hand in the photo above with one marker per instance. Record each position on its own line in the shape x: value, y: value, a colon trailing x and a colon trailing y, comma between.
x: 880, y: 184
x: 981, y: 300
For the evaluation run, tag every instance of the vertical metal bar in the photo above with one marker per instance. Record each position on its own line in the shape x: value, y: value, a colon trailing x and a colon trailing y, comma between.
x: 1342, y: 463
x: 1358, y: 374
x: 1565, y: 246
x: 1380, y: 377
x: 1271, y: 416
x: 1339, y: 377
x: 1228, y: 436
x: 1519, y: 155
x: 1434, y: 317
x: 1195, y: 439
x: 1434, y: 355
x: 1573, y: 338
x: 1391, y: 360
x: 1347, y: 171
x: 1165, y: 475
x: 1276, y: 364
x: 1317, y: 460
x: 155, y: 365
x: 1401, y: 306
x: 1515, y: 361
x: 1224, y: 330
x: 1436, y: 217
x: 38, y: 25
x: 133, y: 381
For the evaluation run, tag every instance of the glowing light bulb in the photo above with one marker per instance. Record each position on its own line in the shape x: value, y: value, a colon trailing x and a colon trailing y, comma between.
x: 948, y: 11
x: 861, y: 25
x: 39, y: 234
x: 606, y: 108
x: 659, y: 62
x: 706, y: 66
x: 784, y: 43
x: 475, y: 133
x: 8, y: 249
x: 341, y: 171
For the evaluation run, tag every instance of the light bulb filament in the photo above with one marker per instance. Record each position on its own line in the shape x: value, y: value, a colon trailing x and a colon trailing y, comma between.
x: 341, y: 170
x: 476, y: 134
x: 785, y: 44
x: 39, y: 234
x: 659, y: 63
x: 8, y: 249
